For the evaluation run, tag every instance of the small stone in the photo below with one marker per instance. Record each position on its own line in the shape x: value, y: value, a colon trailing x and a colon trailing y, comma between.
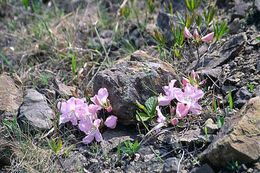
x: 10, y: 95
x: 257, y: 4
x: 171, y: 165
x: 203, y: 169
x: 190, y: 136
x: 242, y: 96
x: 148, y: 157
x: 113, y: 138
x: 65, y: 90
x: 250, y: 170
x: 211, y: 126
x: 36, y: 111
x: 74, y: 162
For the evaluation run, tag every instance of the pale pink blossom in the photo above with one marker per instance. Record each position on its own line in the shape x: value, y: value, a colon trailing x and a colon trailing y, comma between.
x: 187, y: 33
x: 101, y: 99
x: 174, y: 121
x: 196, y: 35
x: 160, y: 117
x: 188, y: 100
x: 208, y: 38
x: 169, y: 90
x: 111, y: 121
x: 72, y: 110
x: 93, y: 133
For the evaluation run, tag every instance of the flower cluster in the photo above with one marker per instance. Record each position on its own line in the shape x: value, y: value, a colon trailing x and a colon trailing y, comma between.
x: 207, y: 38
x: 187, y: 99
x: 85, y: 116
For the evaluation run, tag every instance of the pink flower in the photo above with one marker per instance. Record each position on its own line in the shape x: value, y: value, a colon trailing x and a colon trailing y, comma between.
x: 196, y: 35
x: 169, y: 94
x: 187, y: 33
x: 85, y: 125
x: 72, y: 110
x: 188, y: 100
x: 111, y: 121
x: 185, y: 81
x: 93, y: 133
x: 192, y: 79
x: 101, y: 99
x: 182, y: 110
x: 160, y: 117
x: 174, y: 121
x: 208, y: 38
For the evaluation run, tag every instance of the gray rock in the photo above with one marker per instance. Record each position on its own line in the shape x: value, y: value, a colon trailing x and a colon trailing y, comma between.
x: 190, y: 136
x: 257, y: 91
x: 229, y: 50
x: 202, y: 169
x: 242, y: 96
x: 74, y: 162
x: 239, y: 138
x: 112, y: 138
x: 257, y: 5
x: 35, y: 110
x: 241, y: 8
x: 211, y: 126
x: 10, y: 95
x: 63, y: 89
x: 137, y: 77
x: 258, y: 66
x: 171, y: 165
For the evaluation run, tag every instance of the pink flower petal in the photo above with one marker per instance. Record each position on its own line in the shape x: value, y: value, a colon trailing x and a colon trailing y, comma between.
x: 109, y: 108
x: 89, y: 138
x: 174, y: 121
x: 160, y: 118
x: 102, y: 95
x: 185, y: 81
x: 208, y: 38
x: 85, y: 126
x: 196, y: 34
x: 93, y: 109
x: 96, y: 100
x: 111, y: 121
x: 180, y: 96
x: 196, y: 109
x: 182, y: 110
x: 187, y: 33
x: 96, y: 123
x: 98, y: 136
x: 164, y: 100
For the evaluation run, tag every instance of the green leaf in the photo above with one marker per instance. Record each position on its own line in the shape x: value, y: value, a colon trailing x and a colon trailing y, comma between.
x: 26, y: 3
x: 209, y: 15
x: 188, y: 20
x: 125, y: 12
x: 59, y: 146
x: 150, y: 105
x: 198, y: 21
x: 220, y: 29
x: 220, y: 121
x: 56, y: 147
x: 215, y: 104
x: 142, y: 107
x: 141, y: 116
x: 73, y: 63
x: 230, y: 100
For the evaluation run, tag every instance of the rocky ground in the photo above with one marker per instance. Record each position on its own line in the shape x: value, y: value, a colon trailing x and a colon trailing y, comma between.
x: 61, y: 49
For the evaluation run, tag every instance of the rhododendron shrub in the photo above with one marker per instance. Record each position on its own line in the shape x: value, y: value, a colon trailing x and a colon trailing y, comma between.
x: 85, y: 115
x: 185, y: 100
